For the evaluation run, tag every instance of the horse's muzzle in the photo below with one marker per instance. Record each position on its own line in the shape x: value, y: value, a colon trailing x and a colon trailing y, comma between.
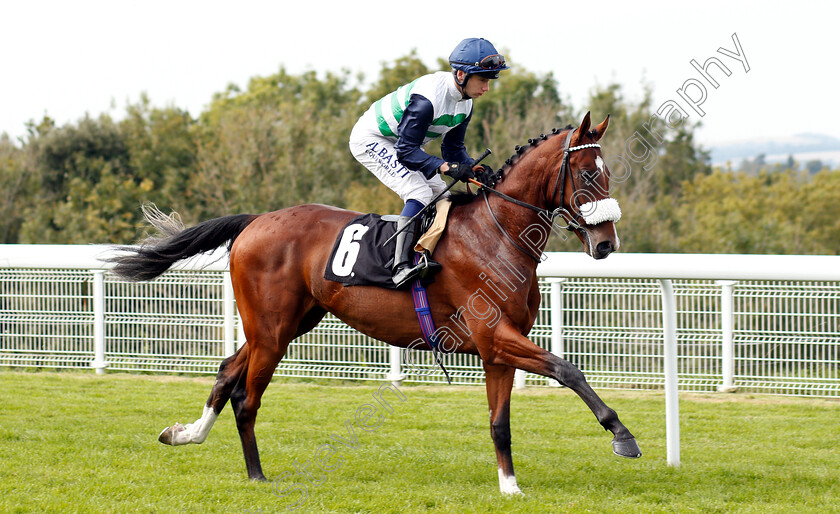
x: 603, y: 249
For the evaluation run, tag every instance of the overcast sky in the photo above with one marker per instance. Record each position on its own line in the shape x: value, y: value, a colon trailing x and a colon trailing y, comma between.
x: 68, y: 58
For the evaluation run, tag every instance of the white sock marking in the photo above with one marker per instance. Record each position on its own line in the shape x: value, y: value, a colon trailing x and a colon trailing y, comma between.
x: 194, y: 432
x: 507, y: 485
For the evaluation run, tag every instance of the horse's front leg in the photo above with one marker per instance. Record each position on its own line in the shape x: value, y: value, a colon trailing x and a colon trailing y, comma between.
x: 513, y: 349
x: 499, y: 382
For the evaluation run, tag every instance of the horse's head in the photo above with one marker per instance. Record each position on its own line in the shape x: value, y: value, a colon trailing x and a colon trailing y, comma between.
x: 565, y: 176
x: 583, y: 183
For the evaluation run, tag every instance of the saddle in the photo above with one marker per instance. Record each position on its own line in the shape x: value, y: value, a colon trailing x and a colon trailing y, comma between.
x: 358, y: 256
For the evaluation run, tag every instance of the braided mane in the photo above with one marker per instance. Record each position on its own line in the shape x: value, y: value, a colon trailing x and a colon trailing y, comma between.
x: 462, y: 197
x: 522, y: 149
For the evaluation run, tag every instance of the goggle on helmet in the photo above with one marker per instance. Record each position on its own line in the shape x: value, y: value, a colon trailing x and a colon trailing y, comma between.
x: 478, y: 56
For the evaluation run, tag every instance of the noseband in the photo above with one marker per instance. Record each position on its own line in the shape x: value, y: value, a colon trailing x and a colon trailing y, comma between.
x: 573, y: 219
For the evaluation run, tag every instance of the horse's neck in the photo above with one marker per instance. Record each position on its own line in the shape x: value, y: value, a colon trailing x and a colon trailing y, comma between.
x: 525, y: 184
x: 475, y: 222
x: 526, y: 227
x: 528, y: 178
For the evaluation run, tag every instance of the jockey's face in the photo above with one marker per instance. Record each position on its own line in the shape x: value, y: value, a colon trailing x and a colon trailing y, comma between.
x: 476, y: 85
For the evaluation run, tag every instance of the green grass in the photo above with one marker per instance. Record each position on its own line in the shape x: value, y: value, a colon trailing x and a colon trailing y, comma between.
x: 77, y: 442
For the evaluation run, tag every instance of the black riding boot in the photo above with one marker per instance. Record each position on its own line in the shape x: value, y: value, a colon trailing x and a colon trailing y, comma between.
x: 404, y: 272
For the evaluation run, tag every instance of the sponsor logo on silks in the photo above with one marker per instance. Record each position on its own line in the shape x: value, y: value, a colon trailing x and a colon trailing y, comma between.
x: 387, y: 160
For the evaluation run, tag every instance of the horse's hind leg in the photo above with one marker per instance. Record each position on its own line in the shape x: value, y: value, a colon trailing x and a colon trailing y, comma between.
x: 266, y: 351
x: 499, y: 382
x: 230, y: 372
x: 246, y: 400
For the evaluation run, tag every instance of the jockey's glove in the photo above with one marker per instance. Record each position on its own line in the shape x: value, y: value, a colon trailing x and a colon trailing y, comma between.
x: 484, y: 174
x: 460, y: 171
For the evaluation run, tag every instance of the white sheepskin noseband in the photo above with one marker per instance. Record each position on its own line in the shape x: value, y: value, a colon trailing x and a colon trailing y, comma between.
x: 600, y: 211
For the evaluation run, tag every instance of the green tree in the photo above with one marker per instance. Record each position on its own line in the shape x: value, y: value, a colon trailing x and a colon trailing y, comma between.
x: 818, y: 212
x: 391, y: 76
x: 16, y: 185
x: 162, y: 149
x: 519, y: 106
x: 775, y: 213
x: 86, y: 188
x: 281, y: 142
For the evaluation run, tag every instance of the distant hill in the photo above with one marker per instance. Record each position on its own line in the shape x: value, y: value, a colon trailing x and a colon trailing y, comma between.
x: 803, y: 147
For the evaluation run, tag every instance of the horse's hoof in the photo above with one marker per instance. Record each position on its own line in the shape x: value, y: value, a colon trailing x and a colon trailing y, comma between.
x: 167, y: 436
x: 627, y: 448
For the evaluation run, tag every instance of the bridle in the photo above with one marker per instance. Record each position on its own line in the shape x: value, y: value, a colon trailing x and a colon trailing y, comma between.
x: 572, y: 219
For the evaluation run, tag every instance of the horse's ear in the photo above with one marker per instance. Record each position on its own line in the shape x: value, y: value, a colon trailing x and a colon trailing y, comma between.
x: 598, y: 132
x: 583, y: 129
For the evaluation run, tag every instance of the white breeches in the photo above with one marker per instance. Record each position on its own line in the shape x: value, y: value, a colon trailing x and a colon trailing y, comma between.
x: 377, y: 154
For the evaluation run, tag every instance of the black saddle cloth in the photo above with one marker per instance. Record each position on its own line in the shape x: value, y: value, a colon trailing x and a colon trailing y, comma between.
x: 358, y: 257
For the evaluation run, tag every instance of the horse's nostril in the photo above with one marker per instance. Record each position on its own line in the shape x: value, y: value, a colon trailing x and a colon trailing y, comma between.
x: 604, y: 248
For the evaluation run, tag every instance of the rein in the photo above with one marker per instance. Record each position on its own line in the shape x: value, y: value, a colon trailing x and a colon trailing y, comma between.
x: 559, y: 186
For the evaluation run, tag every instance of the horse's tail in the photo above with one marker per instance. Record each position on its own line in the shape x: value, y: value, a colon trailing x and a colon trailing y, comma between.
x: 173, y: 243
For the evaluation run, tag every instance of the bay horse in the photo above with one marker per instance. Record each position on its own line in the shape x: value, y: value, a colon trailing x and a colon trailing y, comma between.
x: 278, y: 259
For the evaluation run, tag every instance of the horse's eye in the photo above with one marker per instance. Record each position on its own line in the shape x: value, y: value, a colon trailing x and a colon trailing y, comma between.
x: 588, y: 176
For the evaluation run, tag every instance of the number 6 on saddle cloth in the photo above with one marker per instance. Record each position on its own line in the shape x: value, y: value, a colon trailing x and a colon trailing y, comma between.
x: 362, y: 254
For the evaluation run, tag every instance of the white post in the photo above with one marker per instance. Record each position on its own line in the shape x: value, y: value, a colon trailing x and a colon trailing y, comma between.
x: 556, y: 302
x: 519, y: 379
x: 672, y: 402
x: 727, y: 326
x: 99, y: 363
x: 229, y: 314
x: 395, y: 376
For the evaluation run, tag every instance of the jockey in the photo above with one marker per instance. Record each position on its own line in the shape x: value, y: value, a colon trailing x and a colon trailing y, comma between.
x: 388, y: 139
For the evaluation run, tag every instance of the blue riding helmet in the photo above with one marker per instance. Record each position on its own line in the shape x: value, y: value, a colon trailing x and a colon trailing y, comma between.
x: 477, y: 56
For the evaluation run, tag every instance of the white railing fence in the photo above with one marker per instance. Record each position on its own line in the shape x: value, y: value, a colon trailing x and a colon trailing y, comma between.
x: 692, y: 322
x: 758, y: 323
